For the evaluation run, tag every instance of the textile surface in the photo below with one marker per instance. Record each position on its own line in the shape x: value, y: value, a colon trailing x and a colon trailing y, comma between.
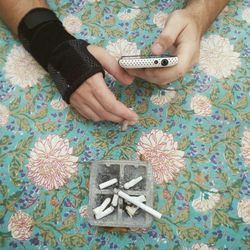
x: 195, y: 133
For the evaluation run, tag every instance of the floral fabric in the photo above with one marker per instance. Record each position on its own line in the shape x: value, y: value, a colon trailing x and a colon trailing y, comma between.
x: 195, y: 132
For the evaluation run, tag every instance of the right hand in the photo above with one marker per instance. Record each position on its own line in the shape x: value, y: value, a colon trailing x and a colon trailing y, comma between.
x: 94, y: 100
x: 182, y: 35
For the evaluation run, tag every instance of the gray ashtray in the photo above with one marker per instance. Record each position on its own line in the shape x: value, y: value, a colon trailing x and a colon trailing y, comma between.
x: 124, y: 171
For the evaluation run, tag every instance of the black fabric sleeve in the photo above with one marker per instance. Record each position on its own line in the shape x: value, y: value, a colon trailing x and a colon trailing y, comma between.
x: 66, y: 58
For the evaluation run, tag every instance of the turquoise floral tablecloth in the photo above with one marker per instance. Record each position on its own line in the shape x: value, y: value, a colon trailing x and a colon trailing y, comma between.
x: 195, y: 133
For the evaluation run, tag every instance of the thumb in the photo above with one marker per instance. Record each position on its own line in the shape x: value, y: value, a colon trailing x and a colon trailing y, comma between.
x: 173, y: 27
x: 110, y: 64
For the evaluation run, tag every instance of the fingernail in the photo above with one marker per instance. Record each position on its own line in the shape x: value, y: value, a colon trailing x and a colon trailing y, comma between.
x: 130, y: 79
x: 158, y: 49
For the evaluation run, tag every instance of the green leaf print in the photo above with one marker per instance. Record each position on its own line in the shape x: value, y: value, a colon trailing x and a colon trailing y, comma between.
x: 221, y: 218
x: 246, y: 241
x: 46, y: 126
x: 49, y: 237
x: 24, y: 145
x: 15, y: 104
x: 182, y: 216
x: 148, y: 122
x: 39, y: 210
x: 128, y: 139
x: 68, y: 223
x: 190, y: 233
x: 166, y: 230
x: 11, y: 201
x: 73, y: 240
x: 79, y: 149
x: 14, y: 168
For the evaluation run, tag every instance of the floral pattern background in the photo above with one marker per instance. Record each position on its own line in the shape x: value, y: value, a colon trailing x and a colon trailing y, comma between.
x: 195, y: 132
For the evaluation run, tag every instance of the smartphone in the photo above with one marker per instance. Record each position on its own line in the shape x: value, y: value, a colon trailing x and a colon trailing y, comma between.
x: 138, y: 62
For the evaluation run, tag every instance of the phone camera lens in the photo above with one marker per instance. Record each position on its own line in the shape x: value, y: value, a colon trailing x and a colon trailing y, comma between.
x: 156, y: 62
x: 164, y: 62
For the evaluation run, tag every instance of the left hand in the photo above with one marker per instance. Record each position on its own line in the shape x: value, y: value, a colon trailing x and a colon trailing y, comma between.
x: 182, y: 35
x: 95, y: 101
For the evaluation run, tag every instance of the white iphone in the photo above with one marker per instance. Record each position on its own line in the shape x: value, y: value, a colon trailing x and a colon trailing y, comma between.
x: 138, y: 62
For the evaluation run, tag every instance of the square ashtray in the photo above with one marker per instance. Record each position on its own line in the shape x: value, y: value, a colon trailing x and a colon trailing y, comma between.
x: 123, y: 171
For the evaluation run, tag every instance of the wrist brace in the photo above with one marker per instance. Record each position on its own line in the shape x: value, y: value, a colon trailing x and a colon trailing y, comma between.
x: 66, y: 58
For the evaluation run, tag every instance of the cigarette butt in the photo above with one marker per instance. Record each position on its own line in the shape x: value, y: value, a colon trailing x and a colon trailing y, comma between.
x: 102, y: 206
x: 108, y: 183
x: 106, y: 212
x: 115, y: 200
x: 131, y: 210
x: 124, y: 125
x: 133, y: 182
x: 139, y: 204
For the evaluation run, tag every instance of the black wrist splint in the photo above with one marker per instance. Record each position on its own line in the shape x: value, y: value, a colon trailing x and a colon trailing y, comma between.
x: 66, y: 58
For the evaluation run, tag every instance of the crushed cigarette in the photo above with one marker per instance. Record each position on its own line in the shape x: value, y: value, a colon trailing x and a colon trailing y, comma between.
x: 131, y: 210
x: 106, y: 212
x: 99, y: 209
x: 115, y: 200
x: 108, y: 183
x: 132, y: 183
x: 125, y: 125
x: 138, y: 204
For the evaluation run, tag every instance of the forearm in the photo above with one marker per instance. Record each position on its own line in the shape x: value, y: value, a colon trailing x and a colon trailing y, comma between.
x: 205, y: 11
x: 12, y: 11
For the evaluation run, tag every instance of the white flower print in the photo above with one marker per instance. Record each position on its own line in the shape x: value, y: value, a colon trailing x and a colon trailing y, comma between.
x: 20, y: 225
x: 122, y: 47
x: 4, y: 115
x: 162, y: 152
x: 201, y: 105
x: 217, y: 57
x: 21, y: 69
x: 72, y: 24
x: 243, y: 209
x: 163, y: 97
x: 129, y: 14
x: 59, y: 104
x: 83, y: 211
x: 246, y: 15
x: 160, y: 19
x: 245, y: 146
x: 206, y: 201
x: 200, y: 246
x: 51, y: 163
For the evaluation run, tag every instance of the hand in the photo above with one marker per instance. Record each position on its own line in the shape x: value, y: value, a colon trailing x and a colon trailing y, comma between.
x: 181, y: 36
x: 94, y: 100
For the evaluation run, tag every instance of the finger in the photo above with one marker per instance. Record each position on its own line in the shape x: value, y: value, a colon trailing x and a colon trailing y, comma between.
x: 110, y: 64
x: 162, y: 76
x: 87, y: 112
x: 137, y: 72
x: 100, y: 111
x: 173, y: 27
x: 107, y: 99
x: 150, y: 75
